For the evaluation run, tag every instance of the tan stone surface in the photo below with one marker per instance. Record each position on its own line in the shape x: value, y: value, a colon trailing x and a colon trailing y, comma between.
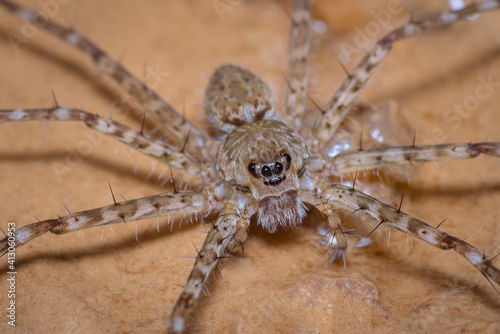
x: 78, y: 283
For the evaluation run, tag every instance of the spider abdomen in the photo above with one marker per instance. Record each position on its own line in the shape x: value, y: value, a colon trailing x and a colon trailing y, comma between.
x: 235, y: 97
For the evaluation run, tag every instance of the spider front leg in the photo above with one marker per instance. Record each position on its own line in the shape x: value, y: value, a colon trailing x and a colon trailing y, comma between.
x: 226, y: 235
x: 177, y: 126
x: 341, y: 102
x: 375, y: 157
x: 335, y: 238
x: 171, y: 204
x: 165, y: 153
x: 356, y: 201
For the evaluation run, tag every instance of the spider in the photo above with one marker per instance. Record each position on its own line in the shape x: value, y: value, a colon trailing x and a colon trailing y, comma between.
x: 138, y: 266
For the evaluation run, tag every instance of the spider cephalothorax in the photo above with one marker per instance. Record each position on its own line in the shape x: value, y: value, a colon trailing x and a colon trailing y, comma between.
x: 266, y: 158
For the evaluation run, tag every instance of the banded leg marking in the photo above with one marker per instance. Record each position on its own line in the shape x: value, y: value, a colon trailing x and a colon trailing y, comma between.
x: 376, y: 157
x: 165, y: 153
x: 337, y: 108
x: 176, y: 125
x: 227, y: 234
x: 179, y: 203
x: 298, y: 68
x: 354, y: 200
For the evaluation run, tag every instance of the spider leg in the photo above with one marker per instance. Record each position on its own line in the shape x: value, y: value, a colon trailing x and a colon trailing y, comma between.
x: 226, y: 234
x: 354, y: 200
x: 335, y: 238
x: 170, y: 204
x: 296, y: 89
x: 337, y: 108
x: 375, y: 157
x: 160, y: 110
x: 165, y: 153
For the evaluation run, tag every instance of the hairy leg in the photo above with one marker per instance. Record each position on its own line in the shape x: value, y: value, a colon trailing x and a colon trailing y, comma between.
x: 157, y: 149
x: 176, y: 125
x: 337, y: 108
x: 298, y: 54
x: 358, y: 202
x: 334, y: 238
x: 226, y: 235
x: 375, y: 157
x: 172, y: 204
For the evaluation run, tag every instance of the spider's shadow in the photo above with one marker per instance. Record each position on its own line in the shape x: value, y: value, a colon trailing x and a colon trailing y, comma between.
x: 442, y: 75
x: 433, y: 276
x: 96, y: 162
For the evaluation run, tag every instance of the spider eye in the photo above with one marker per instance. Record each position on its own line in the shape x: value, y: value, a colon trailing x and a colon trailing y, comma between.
x: 251, y: 169
x: 278, y: 168
x: 288, y: 159
x: 266, y: 171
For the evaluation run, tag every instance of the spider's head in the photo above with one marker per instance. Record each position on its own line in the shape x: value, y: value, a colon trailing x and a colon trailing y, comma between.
x: 266, y: 158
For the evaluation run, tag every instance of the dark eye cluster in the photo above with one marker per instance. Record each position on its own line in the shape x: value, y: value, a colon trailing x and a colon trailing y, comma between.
x: 272, y: 173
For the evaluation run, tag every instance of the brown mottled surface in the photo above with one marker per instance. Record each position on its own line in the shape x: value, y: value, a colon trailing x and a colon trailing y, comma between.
x: 78, y: 283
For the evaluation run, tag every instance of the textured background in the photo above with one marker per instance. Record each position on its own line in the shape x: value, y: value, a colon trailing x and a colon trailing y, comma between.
x: 78, y: 283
